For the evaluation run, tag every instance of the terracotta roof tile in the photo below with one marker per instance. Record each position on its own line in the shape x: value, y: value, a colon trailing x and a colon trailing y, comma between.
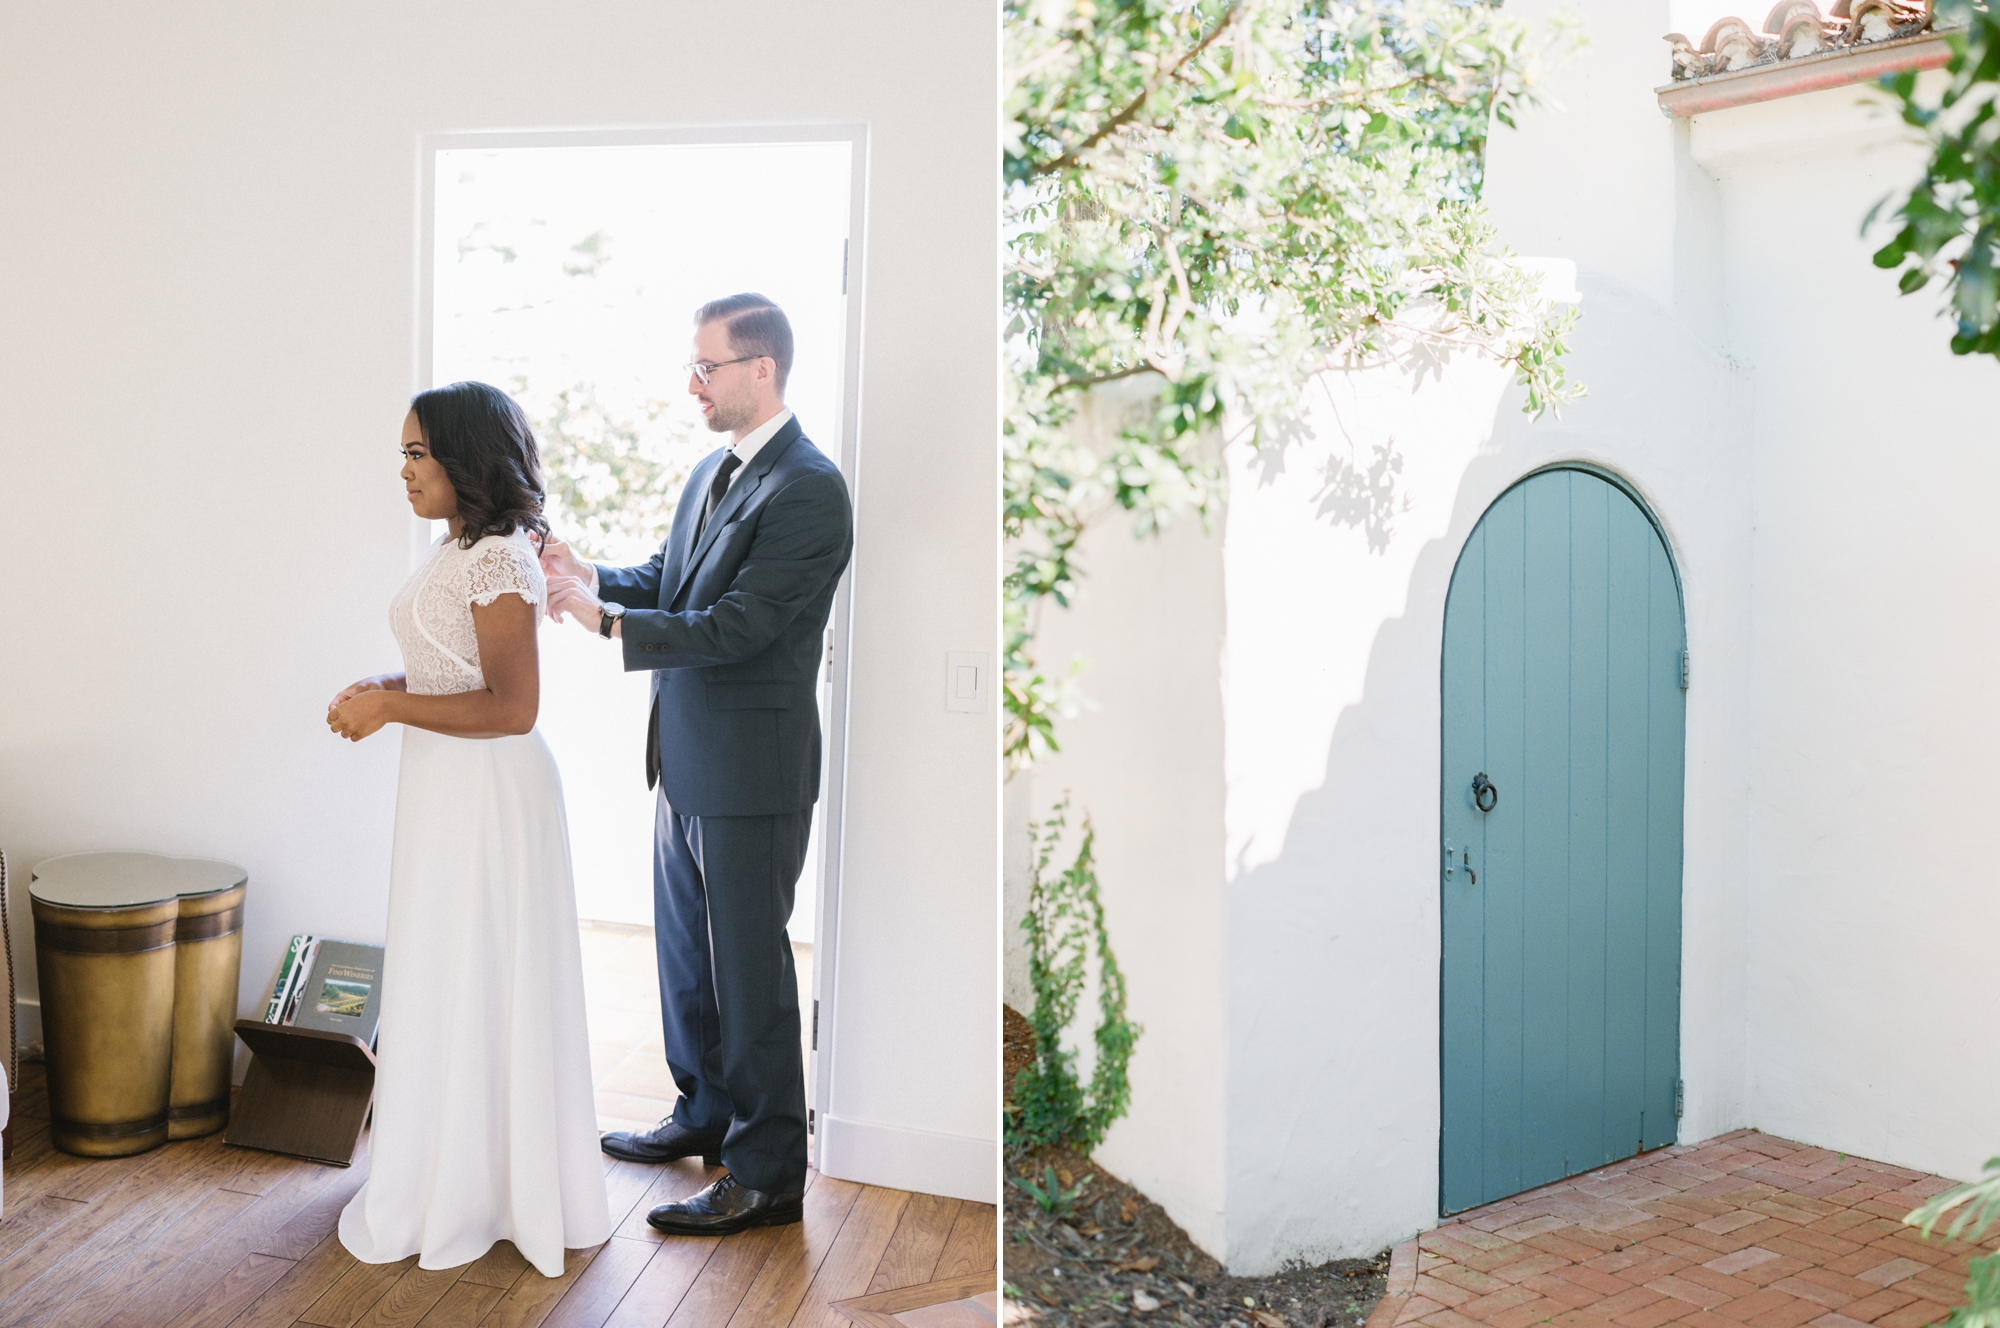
x: 1796, y: 28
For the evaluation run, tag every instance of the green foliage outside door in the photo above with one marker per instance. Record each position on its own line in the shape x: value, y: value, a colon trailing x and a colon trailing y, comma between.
x: 1564, y: 741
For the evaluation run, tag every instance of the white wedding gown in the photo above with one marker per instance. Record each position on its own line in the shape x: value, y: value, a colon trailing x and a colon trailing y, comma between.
x: 485, y: 1122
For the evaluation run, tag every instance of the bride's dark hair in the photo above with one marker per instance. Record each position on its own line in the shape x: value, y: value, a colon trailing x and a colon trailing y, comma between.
x: 481, y: 437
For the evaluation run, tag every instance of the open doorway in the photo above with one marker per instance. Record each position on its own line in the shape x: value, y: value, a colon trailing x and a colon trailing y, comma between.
x: 564, y: 268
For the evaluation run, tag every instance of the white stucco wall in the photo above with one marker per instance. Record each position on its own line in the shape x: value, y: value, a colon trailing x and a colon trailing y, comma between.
x: 1828, y: 525
x: 1279, y: 925
x: 1869, y: 716
x: 1875, y: 712
x: 1822, y: 466
x: 1332, y: 715
x: 207, y: 268
x: 1144, y: 760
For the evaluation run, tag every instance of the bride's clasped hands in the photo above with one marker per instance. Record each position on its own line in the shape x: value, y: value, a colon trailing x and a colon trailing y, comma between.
x: 362, y: 708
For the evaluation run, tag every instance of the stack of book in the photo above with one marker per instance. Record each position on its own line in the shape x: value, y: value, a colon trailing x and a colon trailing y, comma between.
x: 334, y: 986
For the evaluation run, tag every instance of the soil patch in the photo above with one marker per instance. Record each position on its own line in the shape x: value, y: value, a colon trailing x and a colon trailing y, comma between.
x: 1112, y: 1256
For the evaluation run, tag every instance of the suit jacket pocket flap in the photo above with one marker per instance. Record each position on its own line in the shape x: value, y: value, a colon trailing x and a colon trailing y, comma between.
x: 752, y: 696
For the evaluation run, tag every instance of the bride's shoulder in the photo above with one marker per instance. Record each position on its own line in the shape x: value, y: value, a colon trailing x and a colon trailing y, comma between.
x: 505, y: 560
x: 519, y: 541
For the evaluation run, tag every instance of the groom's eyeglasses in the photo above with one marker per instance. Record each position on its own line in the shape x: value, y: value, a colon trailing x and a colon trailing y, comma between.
x: 702, y: 371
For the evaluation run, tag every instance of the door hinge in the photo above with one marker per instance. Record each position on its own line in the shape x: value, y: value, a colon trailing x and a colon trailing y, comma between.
x: 1684, y: 670
x: 843, y: 267
x: 811, y: 1120
x: 815, y: 1040
x: 1680, y: 1097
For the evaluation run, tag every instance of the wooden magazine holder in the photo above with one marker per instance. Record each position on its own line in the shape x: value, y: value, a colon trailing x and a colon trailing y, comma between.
x: 307, y: 1093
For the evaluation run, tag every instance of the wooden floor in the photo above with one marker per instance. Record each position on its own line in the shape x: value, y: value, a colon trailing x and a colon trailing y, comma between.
x: 201, y: 1235
x: 628, y: 1057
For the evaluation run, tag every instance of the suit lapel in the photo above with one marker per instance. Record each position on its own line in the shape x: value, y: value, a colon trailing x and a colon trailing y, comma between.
x: 697, y: 489
x: 739, y: 494
x: 674, y: 549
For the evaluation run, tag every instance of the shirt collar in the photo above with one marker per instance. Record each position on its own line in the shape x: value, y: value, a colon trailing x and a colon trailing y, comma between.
x: 753, y: 442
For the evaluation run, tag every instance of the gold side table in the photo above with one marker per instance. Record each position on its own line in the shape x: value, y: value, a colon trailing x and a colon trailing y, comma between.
x: 139, y: 954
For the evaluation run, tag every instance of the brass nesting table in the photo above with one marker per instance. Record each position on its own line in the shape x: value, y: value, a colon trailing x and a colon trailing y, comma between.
x: 139, y: 956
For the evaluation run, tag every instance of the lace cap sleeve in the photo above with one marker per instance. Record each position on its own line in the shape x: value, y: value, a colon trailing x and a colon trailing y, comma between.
x: 505, y: 567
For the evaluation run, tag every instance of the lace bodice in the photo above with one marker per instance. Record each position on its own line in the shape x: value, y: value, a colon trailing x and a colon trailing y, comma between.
x: 432, y: 614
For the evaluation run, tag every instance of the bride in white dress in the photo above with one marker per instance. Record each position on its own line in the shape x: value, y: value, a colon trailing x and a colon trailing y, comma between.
x: 485, y: 1124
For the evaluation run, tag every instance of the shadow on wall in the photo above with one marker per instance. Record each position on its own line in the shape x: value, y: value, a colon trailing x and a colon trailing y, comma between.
x: 1332, y: 996
x: 1361, y: 486
x: 1364, y: 497
x: 1263, y: 773
x: 1374, y: 1038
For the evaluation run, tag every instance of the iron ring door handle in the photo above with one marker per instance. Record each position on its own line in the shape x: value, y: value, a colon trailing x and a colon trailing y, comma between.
x: 1485, y: 794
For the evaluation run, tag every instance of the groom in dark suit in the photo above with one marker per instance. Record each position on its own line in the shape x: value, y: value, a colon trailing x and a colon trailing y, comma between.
x: 729, y: 618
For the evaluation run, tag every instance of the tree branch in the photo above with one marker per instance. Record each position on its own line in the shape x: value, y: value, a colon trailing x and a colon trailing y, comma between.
x: 1064, y: 381
x: 1111, y: 126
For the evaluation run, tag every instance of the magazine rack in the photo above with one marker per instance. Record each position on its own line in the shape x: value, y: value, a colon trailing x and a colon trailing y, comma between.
x: 307, y: 1092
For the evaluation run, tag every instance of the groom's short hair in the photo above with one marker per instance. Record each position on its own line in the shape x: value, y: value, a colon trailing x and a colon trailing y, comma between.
x: 756, y: 327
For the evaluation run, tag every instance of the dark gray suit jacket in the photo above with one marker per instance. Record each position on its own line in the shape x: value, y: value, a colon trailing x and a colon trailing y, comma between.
x: 733, y: 628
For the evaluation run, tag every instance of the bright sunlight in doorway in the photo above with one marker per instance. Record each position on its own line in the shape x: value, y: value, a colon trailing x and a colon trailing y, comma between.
x: 567, y: 275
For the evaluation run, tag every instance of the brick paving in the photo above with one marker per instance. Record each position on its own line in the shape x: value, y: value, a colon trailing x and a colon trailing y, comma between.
x: 1743, y: 1231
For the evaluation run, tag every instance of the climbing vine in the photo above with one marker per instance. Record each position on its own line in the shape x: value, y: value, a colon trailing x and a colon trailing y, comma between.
x: 1050, y: 1104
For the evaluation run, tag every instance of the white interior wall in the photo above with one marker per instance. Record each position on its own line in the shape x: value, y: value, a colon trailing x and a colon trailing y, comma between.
x: 207, y: 261
x: 1875, y: 713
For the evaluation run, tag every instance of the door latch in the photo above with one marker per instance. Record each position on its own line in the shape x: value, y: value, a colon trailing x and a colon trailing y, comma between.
x: 1464, y: 861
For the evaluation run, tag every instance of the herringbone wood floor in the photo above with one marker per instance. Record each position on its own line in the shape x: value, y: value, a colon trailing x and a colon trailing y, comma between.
x: 201, y: 1235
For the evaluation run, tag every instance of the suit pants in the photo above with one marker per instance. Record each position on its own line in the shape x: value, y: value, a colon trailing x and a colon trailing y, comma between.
x: 729, y: 998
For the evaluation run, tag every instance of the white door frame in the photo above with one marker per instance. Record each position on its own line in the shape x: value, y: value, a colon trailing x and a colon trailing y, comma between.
x: 833, y: 781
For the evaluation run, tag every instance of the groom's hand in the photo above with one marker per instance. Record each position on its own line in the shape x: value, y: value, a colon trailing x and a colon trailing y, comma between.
x: 560, y: 561
x: 570, y: 597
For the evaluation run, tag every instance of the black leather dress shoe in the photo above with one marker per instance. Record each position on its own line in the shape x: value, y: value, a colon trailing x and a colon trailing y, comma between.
x: 726, y: 1206
x: 665, y: 1142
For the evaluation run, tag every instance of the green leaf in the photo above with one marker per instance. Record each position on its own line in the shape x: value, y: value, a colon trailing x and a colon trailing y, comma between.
x: 1217, y: 201
x: 1067, y: 936
x: 1950, y: 218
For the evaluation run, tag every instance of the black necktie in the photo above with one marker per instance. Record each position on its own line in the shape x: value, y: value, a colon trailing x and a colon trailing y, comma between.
x: 716, y: 488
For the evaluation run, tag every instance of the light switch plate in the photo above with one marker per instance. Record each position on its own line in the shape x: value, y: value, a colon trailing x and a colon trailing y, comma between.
x: 965, y: 681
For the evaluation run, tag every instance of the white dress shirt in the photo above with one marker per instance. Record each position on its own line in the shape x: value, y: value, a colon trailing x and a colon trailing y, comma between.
x: 750, y: 444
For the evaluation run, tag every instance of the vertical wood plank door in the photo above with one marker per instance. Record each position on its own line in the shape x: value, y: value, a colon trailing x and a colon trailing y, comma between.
x: 1562, y: 672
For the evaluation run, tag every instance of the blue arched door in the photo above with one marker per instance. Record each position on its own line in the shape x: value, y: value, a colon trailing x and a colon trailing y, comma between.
x: 1564, y: 737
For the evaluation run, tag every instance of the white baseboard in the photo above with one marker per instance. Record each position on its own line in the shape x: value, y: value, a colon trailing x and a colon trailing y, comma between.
x: 28, y: 1021
x: 899, y: 1158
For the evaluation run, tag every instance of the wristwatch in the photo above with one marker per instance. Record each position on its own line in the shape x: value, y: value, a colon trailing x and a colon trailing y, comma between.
x: 607, y: 619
